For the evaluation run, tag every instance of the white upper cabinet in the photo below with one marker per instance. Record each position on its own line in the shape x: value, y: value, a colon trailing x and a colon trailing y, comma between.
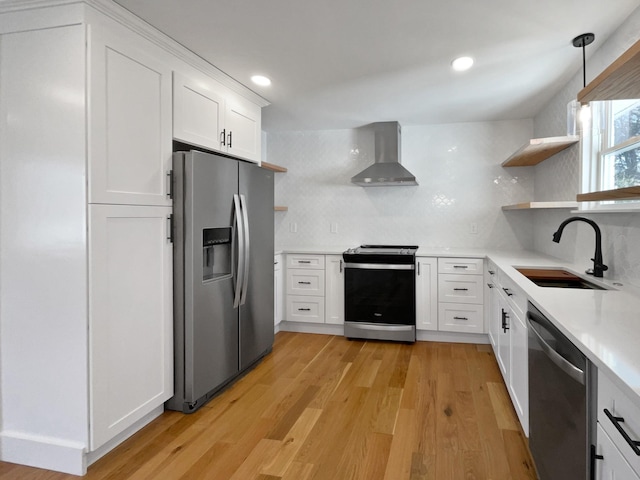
x: 130, y: 119
x: 209, y: 115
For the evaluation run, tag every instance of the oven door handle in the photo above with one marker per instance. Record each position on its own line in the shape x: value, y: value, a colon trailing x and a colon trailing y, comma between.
x: 565, y: 365
x: 379, y: 266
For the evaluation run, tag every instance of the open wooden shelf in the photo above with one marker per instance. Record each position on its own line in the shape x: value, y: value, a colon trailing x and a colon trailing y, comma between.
x: 273, y: 167
x: 539, y: 149
x: 540, y: 205
x: 617, y: 194
x: 618, y: 81
x: 280, y: 208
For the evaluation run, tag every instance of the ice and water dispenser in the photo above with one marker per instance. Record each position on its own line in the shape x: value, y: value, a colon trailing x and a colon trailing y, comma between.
x: 216, y: 252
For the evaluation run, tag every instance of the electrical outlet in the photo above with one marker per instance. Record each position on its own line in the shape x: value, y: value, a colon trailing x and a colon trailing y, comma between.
x: 473, y: 228
x: 293, y: 227
x: 333, y: 228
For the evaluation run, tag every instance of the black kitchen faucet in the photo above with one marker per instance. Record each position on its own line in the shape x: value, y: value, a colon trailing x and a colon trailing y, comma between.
x: 598, y: 266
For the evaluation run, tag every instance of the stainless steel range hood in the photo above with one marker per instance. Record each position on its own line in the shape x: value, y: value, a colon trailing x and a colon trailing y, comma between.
x: 387, y: 170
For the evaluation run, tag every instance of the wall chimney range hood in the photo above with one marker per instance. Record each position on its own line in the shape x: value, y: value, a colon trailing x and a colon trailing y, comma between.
x: 386, y: 171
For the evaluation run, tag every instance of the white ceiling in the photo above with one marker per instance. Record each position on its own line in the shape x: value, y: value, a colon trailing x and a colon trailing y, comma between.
x: 347, y: 63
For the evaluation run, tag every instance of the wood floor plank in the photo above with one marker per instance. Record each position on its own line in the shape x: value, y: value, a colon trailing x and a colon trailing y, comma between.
x: 321, y: 407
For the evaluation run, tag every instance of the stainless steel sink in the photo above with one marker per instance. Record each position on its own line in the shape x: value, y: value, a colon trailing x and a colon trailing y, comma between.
x: 557, y: 278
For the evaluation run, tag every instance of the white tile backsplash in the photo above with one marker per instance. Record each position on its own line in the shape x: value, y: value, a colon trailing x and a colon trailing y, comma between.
x: 458, y: 169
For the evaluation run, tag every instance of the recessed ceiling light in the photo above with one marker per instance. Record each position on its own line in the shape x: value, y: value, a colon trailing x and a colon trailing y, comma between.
x: 461, y: 64
x: 261, y: 80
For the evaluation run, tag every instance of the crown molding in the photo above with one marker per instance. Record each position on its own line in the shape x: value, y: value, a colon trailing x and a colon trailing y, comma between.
x: 131, y: 21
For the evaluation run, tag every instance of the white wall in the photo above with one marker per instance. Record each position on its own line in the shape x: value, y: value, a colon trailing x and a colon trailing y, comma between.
x: 457, y: 166
x: 559, y: 177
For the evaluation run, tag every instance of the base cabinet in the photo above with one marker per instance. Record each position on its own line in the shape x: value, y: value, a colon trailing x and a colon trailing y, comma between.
x: 334, y: 289
x: 426, y: 293
x: 278, y: 289
x: 612, y: 465
x: 130, y: 316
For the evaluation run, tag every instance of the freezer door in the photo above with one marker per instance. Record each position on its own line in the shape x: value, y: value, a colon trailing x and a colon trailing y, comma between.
x: 256, y: 313
x: 210, y: 320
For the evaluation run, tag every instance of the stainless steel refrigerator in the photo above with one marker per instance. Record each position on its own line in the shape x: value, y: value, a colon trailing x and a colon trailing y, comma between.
x: 223, y: 273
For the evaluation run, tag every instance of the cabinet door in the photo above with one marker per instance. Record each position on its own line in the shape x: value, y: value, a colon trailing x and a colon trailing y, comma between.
x: 427, y: 294
x: 130, y: 119
x: 130, y: 316
x: 243, y: 124
x: 198, y: 111
x: 519, y: 374
x: 278, y: 289
x: 503, y: 313
x: 334, y: 291
x: 612, y: 466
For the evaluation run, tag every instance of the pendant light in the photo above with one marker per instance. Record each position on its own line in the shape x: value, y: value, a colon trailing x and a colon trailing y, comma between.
x: 581, y: 41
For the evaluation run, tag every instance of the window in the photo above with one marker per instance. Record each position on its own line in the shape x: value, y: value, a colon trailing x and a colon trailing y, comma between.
x: 615, y: 144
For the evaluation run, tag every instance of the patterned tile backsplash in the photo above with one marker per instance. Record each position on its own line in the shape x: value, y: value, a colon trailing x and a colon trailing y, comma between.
x: 458, y: 169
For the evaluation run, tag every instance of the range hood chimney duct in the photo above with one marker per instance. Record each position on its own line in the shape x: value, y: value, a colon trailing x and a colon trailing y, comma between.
x: 386, y: 171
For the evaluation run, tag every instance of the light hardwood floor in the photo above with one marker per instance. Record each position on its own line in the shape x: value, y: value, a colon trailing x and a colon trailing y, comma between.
x: 322, y: 407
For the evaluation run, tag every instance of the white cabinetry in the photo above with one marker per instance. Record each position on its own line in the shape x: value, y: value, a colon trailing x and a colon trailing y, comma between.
x: 426, y: 293
x: 305, y: 288
x: 460, y: 295
x: 334, y: 291
x: 491, y: 302
x: 130, y: 118
x: 278, y: 289
x: 131, y: 318
x: 87, y: 164
x: 508, y: 333
x: 209, y: 115
x: 617, y: 413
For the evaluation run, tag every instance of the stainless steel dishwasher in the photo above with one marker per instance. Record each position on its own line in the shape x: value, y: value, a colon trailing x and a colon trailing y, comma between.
x: 561, y: 417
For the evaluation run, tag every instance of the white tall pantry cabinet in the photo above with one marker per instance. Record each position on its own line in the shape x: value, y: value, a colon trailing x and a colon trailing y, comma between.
x: 86, y: 330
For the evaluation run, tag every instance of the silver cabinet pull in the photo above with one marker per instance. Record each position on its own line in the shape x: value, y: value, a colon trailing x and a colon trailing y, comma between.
x: 223, y: 137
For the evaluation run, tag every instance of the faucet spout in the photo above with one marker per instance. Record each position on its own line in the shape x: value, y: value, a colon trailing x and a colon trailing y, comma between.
x: 598, y: 266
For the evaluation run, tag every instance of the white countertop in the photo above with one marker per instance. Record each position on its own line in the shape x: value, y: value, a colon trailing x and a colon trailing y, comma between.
x: 604, y: 324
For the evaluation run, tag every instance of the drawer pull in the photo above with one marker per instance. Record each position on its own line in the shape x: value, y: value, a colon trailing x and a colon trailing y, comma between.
x: 460, y: 289
x: 492, y: 272
x: 304, y: 261
x: 304, y: 309
x: 461, y: 266
x: 490, y: 285
x: 460, y: 318
x: 634, y: 444
x: 506, y: 290
x: 304, y: 283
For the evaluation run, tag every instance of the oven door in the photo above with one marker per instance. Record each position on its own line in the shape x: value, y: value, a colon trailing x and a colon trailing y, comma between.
x: 380, y: 294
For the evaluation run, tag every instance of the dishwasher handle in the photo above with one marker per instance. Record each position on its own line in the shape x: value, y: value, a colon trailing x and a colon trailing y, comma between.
x: 565, y: 365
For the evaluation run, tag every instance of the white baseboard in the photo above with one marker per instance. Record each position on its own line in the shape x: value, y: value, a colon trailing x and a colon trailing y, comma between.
x: 451, y: 337
x: 94, y: 456
x: 43, y: 452
x: 421, y: 335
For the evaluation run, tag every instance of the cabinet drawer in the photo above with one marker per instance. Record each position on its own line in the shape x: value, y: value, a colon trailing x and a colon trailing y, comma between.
x: 461, y: 266
x: 516, y: 297
x: 305, y: 282
x: 612, y: 398
x: 612, y: 465
x: 301, y: 308
x: 460, y: 288
x: 454, y: 317
x: 305, y: 261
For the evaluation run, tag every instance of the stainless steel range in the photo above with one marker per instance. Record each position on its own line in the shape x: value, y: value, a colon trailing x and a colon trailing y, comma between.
x: 380, y: 292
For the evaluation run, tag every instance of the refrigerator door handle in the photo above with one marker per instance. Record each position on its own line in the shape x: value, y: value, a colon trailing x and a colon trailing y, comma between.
x: 240, y: 268
x: 245, y: 277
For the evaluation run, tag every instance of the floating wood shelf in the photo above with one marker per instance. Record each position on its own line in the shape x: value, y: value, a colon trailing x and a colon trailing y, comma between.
x: 539, y: 149
x: 273, y: 167
x: 540, y: 205
x: 618, y: 81
x: 280, y: 208
x: 617, y: 194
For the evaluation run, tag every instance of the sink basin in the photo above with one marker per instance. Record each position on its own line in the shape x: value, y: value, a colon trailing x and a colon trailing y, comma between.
x: 557, y: 278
